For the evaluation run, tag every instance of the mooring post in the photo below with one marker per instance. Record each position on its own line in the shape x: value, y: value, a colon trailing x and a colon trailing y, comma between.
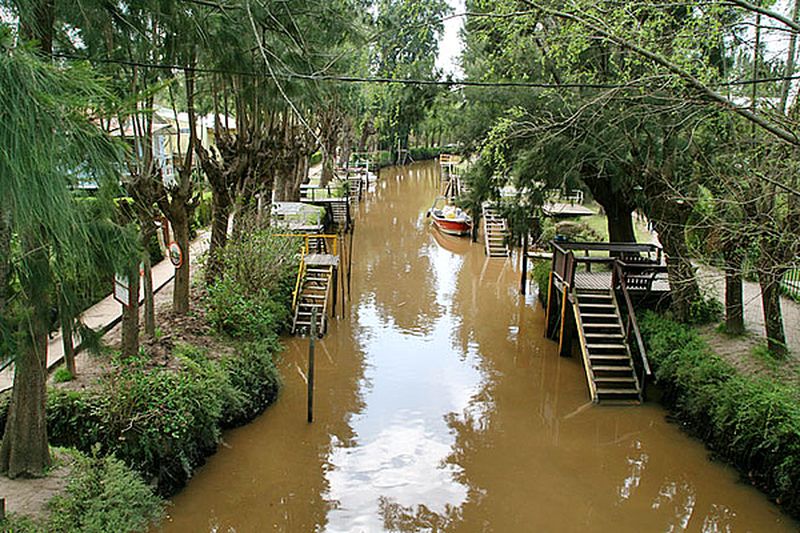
x: 2, y: 509
x: 523, y: 284
x: 312, y: 339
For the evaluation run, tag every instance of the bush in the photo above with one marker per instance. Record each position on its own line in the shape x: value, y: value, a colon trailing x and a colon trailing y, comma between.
x: 541, y: 275
x: 103, y: 495
x: 203, y: 213
x: 754, y: 423
x: 424, y: 154
x: 62, y: 375
x: 253, y: 300
x: 163, y: 422
x: 243, y: 316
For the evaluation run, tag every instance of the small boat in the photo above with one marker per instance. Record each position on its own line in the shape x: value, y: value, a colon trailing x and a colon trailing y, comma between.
x: 449, y: 218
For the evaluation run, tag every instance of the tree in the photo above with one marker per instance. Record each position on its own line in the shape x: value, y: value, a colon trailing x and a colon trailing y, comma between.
x: 43, y: 107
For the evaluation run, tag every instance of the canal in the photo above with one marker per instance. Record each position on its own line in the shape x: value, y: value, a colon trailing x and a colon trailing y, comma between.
x: 441, y: 407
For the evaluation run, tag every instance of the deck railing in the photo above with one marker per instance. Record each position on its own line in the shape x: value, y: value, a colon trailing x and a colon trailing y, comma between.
x: 305, y: 249
x: 638, y: 352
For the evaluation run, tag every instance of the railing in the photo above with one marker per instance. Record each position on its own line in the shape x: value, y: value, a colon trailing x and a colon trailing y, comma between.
x: 314, y: 194
x: 791, y: 282
x: 638, y: 352
x: 564, y: 265
x: 304, y: 251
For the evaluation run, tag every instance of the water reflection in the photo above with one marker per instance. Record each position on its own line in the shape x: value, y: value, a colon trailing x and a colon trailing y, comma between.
x: 440, y: 407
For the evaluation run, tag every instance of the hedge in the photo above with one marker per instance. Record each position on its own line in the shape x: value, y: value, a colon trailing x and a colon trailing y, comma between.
x: 160, y: 422
x: 751, y: 422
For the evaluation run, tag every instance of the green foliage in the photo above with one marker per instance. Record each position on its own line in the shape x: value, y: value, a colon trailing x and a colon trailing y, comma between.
x: 253, y: 299
x: 315, y: 159
x: 103, y: 495
x: 203, y: 213
x: 252, y: 374
x: 160, y: 421
x: 752, y: 422
x: 62, y: 375
x: 424, y: 154
x: 541, y: 275
x: 705, y: 310
x: 242, y: 316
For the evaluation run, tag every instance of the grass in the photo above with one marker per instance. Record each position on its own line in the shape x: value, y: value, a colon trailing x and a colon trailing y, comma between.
x: 753, y: 422
x: 62, y: 375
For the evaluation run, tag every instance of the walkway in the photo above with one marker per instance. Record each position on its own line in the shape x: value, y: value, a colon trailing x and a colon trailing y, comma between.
x: 753, y: 314
x: 108, y: 312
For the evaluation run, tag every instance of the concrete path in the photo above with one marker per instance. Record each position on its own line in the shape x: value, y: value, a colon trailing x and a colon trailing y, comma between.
x: 108, y: 312
x: 753, y: 314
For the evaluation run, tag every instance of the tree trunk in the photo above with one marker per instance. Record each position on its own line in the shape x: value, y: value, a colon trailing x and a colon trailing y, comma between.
x: 221, y: 211
x: 734, y: 304
x: 180, y: 293
x: 616, y: 206
x: 683, y: 283
x: 24, y: 452
x: 770, y: 283
x: 67, y: 320
x: 620, y: 223
x: 149, y: 298
x: 5, y: 258
x: 130, y: 316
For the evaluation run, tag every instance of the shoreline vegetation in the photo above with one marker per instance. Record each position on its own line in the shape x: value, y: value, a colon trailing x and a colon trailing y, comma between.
x: 135, y: 435
x: 751, y: 422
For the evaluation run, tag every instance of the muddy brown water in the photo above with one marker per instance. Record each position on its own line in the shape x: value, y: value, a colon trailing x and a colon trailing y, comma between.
x: 440, y: 407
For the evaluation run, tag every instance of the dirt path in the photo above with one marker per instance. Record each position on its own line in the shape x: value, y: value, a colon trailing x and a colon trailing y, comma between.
x: 743, y: 352
x: 29, y: 497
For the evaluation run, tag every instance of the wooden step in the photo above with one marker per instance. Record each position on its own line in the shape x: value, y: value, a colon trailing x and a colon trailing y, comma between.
x: 616, y: 379
x: 598, y: 316
x: 591, y: 347
x: 611, y: 368
x: 624, y: 392
x: 609, y: 356
x: 594, y: 305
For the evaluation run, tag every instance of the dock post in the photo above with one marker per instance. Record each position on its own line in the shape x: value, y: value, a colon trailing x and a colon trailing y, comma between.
x: 312, y: 338
x: 523, y: 285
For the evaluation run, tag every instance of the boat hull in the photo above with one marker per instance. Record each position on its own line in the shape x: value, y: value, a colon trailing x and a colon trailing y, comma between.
x: 452, y: 227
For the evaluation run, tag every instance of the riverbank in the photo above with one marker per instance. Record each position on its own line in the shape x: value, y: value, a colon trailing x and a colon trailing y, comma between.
x: 162, y: 412
x: 751, y: 422
x: 730, y: 394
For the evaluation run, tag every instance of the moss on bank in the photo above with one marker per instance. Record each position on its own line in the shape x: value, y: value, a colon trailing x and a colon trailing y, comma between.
x: 751, y: 422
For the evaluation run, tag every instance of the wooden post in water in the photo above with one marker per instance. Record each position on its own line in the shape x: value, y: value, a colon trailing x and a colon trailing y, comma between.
x: 350, y: 261
x: 311, y: 339
x: 523, y: 284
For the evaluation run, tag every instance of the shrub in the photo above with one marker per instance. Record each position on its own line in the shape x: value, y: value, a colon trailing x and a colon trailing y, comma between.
x: 242, y: 316
x: 103, y: 495
x: 541, y: 275
x: 754, y: 423
x: 62, y: 375
x: 254, y: 297
x: 253, y: 374
x: 203, y: 213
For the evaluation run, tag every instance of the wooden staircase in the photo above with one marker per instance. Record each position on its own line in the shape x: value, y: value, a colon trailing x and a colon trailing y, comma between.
x: 606, y: 353
x: 495, y: 233
x: 355, y: 187
x: 340, y: 210
x: 314, y: 293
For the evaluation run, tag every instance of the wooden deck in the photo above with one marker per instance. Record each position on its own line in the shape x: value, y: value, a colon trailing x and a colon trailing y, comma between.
x: 322, y: 260
x: 566, y: 210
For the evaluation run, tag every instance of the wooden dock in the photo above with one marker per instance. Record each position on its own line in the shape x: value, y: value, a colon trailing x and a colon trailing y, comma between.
x: 592, y: 290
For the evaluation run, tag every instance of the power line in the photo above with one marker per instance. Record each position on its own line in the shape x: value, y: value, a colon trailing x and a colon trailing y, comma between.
x: 405, y: 81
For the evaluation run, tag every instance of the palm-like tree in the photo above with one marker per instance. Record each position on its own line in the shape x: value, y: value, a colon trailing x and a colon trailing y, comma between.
x: 46, y: 135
